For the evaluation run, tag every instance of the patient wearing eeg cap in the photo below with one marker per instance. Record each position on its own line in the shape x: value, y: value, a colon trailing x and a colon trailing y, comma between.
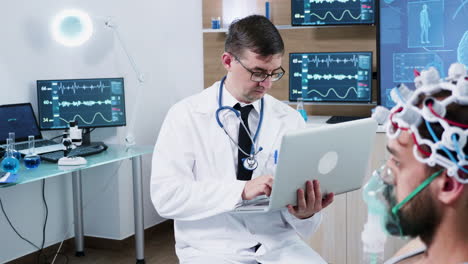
x: 424, y: 184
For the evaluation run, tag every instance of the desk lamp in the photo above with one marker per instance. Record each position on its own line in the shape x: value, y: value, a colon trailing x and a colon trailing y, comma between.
x: 74, y: 27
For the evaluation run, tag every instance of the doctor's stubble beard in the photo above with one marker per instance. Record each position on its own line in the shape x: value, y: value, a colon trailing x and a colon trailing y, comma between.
x: 253, y: 96
x: 419, y: 217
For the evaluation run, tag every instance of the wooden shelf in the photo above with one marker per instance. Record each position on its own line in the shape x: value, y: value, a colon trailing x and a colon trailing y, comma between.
x: 286, y: 27
x: 210, y: 30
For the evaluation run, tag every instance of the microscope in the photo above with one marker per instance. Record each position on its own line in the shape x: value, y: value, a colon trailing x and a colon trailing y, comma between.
x: 66, y: 160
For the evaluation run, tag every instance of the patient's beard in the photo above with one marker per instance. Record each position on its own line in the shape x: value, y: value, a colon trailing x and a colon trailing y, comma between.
x: 420, y: 217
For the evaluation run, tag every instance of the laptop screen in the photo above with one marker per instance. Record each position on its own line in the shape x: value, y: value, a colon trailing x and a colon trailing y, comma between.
x: 18, y: 118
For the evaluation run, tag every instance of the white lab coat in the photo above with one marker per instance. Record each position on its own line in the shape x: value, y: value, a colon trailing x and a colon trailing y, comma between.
x: 194, y: 182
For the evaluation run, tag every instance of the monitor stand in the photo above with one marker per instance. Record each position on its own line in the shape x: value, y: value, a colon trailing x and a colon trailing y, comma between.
x: 86, y: 137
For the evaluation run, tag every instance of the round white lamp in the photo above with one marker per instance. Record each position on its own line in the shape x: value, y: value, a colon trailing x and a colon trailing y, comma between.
x: 72, y: 27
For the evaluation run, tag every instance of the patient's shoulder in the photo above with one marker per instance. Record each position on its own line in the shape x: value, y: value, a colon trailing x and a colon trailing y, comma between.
x: 409, y: 253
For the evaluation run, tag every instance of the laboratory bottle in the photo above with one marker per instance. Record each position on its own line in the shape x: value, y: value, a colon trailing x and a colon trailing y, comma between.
x: 300, y: 108
x: 9, y: 162
x: 31, y: 160
x: 16, y: 154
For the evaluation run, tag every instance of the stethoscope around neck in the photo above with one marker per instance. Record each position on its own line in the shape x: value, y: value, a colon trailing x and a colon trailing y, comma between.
x: 249, y: 163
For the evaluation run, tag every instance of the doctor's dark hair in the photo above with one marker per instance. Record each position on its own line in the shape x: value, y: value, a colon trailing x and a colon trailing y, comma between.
x: 255, y: 33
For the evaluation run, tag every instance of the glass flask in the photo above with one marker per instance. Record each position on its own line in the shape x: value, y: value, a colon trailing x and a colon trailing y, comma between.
x: 9, y: 162
x: 16, y: 154
x: 32, y: 160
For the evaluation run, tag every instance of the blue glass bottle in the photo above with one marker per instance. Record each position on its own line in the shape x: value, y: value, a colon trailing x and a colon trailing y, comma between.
x: 9, y: 162
x: 16, y: 154
x: 300, y: 108
x: 32, y: 160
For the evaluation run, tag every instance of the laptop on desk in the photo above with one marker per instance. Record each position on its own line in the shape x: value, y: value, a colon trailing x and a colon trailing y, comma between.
x: 335, y: 155
x: 20, y: 118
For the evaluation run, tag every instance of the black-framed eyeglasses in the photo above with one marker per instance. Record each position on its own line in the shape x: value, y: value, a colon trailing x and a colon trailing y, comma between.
x: 262, y: 76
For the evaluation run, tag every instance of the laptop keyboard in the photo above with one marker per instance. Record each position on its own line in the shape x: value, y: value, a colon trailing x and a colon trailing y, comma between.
x: 37, y: 144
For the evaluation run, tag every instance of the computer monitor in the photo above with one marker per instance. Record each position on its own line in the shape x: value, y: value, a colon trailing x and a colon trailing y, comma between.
x: 91, y: 103
x: 331, y: 77
x: 416, y: 35
x: 331, y: 12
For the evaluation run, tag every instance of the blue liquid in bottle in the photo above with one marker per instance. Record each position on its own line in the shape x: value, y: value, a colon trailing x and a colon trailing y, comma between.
x: 17, y: 155
x: 303, y: 114
x: 32, y: 162
x: 300, y: 108
x: 10, y: 164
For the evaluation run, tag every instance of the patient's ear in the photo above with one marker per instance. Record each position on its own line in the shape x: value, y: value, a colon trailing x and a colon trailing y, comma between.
x: 449, y: 189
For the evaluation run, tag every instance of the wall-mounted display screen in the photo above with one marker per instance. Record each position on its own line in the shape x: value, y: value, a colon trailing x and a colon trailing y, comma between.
x: 340, y: 77
x: 331, y: 12
x: 415, y: 35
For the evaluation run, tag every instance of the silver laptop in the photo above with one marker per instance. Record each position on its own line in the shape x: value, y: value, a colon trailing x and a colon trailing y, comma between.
x: 336, y: 155
x: 20, y: 118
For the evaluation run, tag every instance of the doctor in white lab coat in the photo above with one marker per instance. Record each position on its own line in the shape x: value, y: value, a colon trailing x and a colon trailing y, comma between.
x: 195, y: 172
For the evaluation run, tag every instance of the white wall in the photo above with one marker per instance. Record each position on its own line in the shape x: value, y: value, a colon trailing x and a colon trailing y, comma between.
x: 165, y: 39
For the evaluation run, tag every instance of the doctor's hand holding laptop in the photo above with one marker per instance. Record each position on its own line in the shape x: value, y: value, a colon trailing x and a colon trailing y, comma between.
x: 309, y: 200
x: 315, y: 164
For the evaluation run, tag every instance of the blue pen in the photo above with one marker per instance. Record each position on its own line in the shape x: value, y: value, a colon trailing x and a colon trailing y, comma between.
x: 267, y: 10
x: 275, y: 156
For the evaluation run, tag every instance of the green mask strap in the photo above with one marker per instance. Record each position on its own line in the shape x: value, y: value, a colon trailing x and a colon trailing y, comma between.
x: 415, y: 192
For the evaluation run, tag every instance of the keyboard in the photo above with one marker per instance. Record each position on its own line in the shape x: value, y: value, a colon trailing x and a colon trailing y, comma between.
x: 40, y: 146
x: 37, y: 144
x: 80, y: 151
x: 341, y: 119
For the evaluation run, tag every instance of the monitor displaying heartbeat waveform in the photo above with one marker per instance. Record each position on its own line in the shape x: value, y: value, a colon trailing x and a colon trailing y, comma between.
x: 344, y: 77
x: 331, y: 12
x: 89, y: 102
